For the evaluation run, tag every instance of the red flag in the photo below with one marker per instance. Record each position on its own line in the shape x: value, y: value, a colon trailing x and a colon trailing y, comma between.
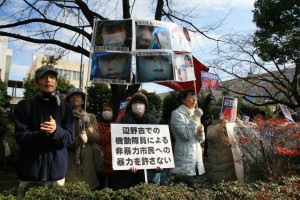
x: 178, y: 86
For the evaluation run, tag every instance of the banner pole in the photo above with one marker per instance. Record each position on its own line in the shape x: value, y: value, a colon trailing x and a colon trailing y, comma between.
x: 146, y: 176
x: 89, y: 64
x: 196, y: 93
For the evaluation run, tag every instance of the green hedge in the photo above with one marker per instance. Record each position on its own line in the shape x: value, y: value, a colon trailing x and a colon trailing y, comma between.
x: 286, y: 188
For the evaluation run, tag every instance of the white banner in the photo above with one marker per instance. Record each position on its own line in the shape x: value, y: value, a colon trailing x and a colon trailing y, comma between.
x: 144, y: 146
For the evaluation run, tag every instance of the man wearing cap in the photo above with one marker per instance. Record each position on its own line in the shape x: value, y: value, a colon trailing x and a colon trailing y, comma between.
x: 44, y: 127
x: 108, y: 65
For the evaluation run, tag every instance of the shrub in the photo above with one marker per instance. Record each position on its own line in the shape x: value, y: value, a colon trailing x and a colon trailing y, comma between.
x: 268, y: 147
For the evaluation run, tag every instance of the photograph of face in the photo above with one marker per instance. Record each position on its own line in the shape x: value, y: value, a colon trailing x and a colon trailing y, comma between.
x: 182, y: 74
x: 113, y: 33
x: 154, y: 68
x: 144, y: 36
x: 162, y: 38
x: 107, y: 65
x: 188, y: 61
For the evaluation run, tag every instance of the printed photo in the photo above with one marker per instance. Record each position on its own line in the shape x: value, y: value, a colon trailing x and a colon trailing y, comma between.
x: 114, y: 33
x: 111, y: 66
x: 153, y: 68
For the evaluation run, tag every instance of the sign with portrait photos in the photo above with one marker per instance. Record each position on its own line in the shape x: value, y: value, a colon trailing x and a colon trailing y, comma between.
x: 152, y: 50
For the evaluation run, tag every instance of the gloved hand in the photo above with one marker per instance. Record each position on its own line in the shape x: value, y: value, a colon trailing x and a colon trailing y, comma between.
x: 84, y: 137
x: 197, y: 113
x: 86, y: 119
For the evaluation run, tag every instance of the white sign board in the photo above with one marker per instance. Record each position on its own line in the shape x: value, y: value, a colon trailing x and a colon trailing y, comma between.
x: 144, y: 146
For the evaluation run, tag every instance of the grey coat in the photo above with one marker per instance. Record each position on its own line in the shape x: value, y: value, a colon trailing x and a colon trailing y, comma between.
x: 187, y: 148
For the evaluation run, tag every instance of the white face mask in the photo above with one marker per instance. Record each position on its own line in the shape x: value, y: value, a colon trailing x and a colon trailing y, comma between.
x: 107, y: 115
x: 138, y: 108
x: 114, y: 40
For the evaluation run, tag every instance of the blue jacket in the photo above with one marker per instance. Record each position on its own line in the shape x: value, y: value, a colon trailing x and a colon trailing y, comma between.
x: 42, y: 157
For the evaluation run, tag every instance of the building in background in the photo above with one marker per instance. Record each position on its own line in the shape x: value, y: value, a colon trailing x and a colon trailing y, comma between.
x: 5, y: 59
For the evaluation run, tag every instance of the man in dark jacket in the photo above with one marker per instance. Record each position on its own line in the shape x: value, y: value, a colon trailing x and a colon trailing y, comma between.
x: 44, y: 127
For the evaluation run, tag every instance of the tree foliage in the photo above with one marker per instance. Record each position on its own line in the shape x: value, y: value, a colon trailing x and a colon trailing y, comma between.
x: 263, y: 68
x: 98, y: 93
x: 4, y: 97
x: 155, y: 104
x: 277, y: 36
x: 170, y: 103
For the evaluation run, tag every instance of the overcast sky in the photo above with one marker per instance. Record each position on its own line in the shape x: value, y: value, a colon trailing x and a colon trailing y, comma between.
x: 207, y: 12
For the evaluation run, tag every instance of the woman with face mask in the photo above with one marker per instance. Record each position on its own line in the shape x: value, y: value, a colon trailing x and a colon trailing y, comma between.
x: 106, y: 118
x: 136, y: 113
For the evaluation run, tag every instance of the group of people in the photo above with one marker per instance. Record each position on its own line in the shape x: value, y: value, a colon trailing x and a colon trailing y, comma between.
x: 57, y: 137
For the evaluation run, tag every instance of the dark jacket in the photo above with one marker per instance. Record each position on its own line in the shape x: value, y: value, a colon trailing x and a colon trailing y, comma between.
x: 42, y: 157
x: 124, y: 178
x: 129, y: 118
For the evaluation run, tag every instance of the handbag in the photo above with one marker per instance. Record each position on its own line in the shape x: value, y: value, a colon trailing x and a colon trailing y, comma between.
x: 98, y: 157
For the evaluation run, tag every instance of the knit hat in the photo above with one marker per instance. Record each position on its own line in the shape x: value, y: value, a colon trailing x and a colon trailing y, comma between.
x: 43, y: 70
x: 139, y: 97
x: 73, y: 91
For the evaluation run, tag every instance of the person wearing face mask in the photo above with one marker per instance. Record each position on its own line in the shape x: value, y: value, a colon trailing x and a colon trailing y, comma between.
x: 106, y: 118
x: 113, y: 33
x: 137, y: 113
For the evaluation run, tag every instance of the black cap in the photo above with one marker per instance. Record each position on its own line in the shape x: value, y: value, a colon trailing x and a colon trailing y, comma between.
x: 43, y: 70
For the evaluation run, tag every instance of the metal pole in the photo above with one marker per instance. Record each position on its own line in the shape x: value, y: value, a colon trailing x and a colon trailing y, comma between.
x: 81, y: 58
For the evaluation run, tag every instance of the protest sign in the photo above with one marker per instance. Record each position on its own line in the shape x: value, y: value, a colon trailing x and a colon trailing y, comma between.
x: 210, y: 80
x: 122, y: 109
x: 144, y: 146
x: 111, y: 68
x: 229, y: 108
x: 151, y: 46
x: 286, y: 112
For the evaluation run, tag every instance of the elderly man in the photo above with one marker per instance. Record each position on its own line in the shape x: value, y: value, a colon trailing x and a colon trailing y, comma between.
x: 44, y: 127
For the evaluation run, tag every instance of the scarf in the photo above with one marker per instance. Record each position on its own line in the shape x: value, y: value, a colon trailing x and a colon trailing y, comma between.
x: 79, y: 127
x: 48, y: 97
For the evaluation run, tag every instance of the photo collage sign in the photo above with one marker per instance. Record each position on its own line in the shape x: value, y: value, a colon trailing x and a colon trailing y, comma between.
x: 153, y: 51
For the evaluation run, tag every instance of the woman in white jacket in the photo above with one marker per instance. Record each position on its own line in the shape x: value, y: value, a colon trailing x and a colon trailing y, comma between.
x: 189, y: 134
